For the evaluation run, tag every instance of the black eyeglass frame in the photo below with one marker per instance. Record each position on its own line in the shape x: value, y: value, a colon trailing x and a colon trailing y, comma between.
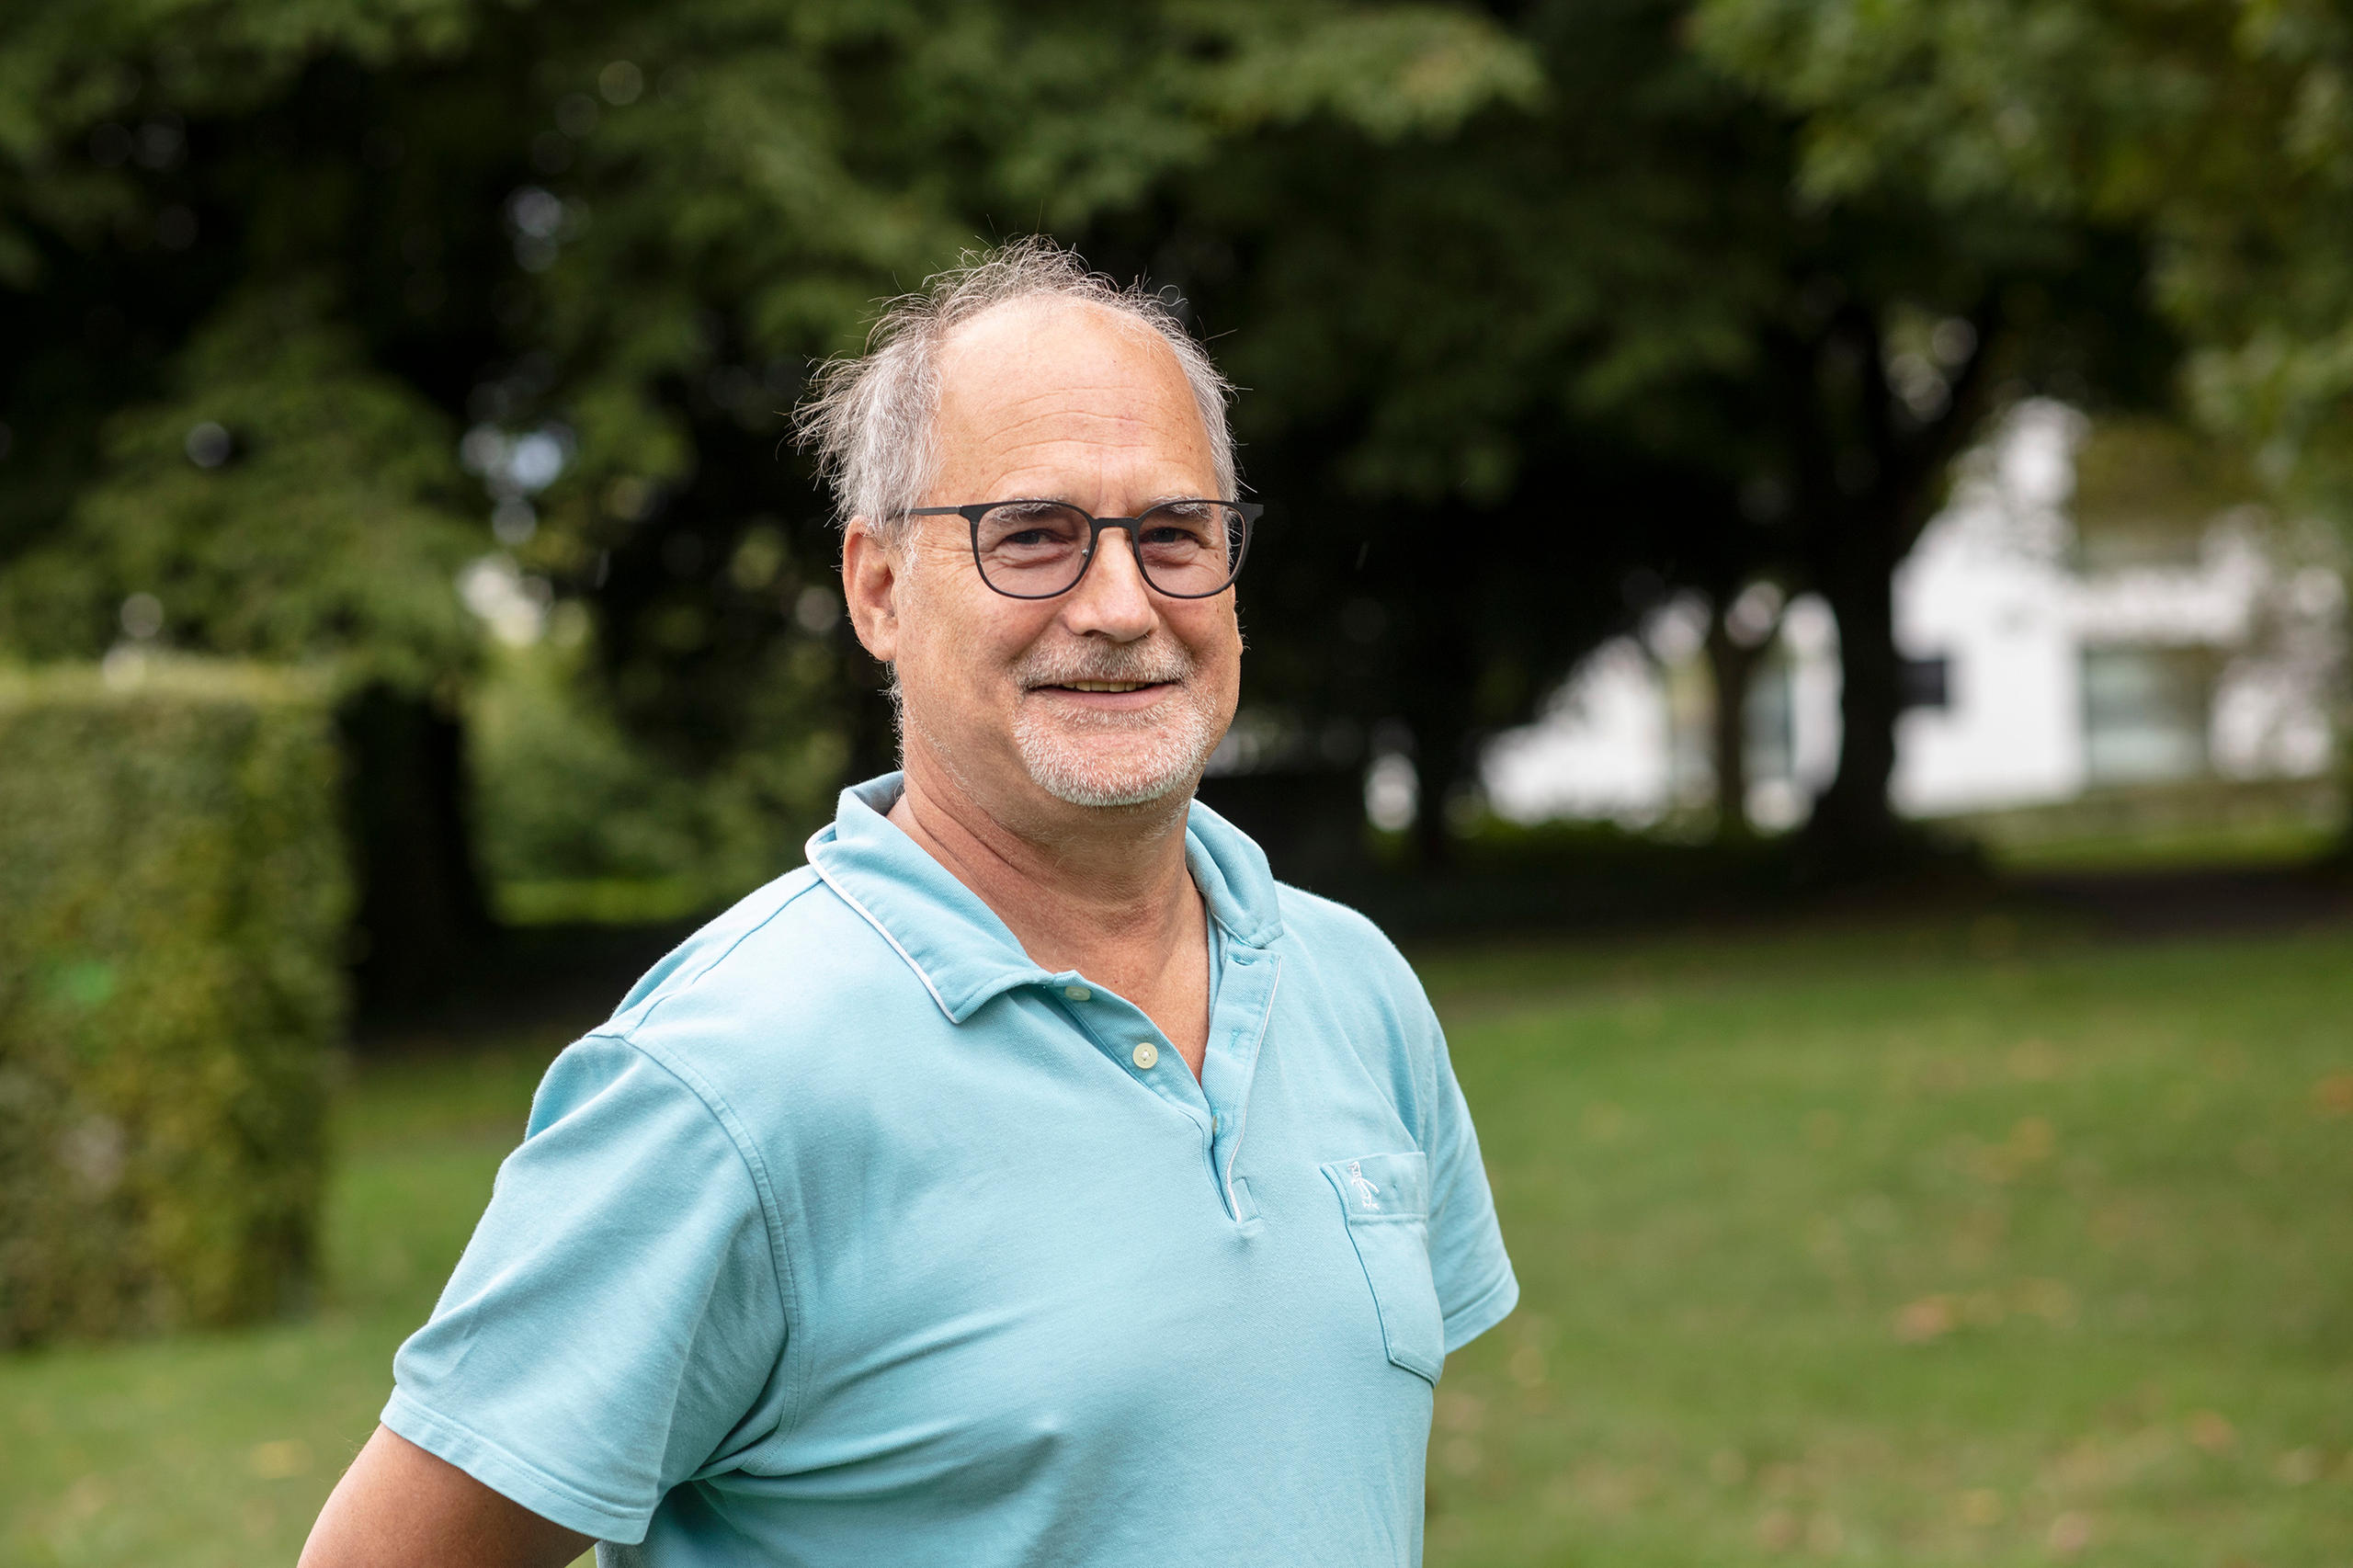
x: 973, y: 513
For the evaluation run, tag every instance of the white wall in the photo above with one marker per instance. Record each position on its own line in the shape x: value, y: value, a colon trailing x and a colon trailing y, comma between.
x: 1988, y: 588
x: 1991, y: 587
x: 1600, y: 751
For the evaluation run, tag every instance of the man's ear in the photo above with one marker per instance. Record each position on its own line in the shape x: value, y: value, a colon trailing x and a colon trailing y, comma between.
x: 872, y: 575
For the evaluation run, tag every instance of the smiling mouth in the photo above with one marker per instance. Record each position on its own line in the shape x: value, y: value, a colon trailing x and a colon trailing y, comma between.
x: 1105, y: 685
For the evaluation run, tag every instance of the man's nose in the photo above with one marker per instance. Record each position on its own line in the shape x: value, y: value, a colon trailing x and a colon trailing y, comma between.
x: 1112, y: 600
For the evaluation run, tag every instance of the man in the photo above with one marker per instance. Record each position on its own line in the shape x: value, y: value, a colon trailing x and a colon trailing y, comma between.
x: 1029, y: 1179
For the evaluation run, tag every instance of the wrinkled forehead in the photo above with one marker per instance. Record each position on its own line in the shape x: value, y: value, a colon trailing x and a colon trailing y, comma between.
x: 1038, y: 381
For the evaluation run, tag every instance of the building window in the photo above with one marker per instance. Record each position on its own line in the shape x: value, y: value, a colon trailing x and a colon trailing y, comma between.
x: 2144, y: 714
x: 1924, y: 683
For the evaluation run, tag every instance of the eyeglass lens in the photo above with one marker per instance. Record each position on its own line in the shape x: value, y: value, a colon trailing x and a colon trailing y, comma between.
x: 1037, y: 549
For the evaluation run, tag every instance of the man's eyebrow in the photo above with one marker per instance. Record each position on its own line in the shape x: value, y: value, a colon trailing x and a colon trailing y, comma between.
x: 1064, y: 500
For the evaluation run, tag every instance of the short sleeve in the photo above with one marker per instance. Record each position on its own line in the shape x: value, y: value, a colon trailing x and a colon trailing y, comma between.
x: 617, y: 1325
x: 1476, y: 1289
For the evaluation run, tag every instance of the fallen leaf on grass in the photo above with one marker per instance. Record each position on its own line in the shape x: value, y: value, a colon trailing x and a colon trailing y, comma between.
x: 279, y: 1460
x: 2213, y: 1431
x: 2069, y: 1533
x: 1930, y: 1317
x: 2299, y: 1467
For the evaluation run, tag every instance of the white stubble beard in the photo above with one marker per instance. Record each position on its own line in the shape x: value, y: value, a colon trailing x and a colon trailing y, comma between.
x: 1055, y: 752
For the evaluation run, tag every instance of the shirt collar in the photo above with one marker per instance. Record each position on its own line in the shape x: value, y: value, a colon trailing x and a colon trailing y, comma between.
x: 957, y: 945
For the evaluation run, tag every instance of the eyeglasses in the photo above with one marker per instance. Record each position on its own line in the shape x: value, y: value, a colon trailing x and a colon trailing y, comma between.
x: 1038, y: 550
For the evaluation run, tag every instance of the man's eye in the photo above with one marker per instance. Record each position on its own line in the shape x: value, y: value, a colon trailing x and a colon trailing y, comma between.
x: 1037, y: 526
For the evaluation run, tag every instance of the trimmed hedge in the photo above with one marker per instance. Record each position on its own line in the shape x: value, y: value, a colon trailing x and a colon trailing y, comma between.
x: 172, y: 908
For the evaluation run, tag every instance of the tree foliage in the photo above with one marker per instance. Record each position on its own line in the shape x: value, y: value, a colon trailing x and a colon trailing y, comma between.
x: 633, y: 225
x: 2220, y: 132
x: 1543, y: 311
x: 1518, y: 381
x: 282, y: 498
x: 170, y: 986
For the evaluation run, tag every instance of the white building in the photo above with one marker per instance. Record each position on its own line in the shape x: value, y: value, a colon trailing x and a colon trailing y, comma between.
x: 2049, y: 665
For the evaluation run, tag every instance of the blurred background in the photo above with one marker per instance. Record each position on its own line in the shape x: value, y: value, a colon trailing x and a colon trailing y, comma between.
x: 1803, y: 576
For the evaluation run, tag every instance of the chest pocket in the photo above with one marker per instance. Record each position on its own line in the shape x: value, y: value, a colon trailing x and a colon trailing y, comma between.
x: 1386, y: 1201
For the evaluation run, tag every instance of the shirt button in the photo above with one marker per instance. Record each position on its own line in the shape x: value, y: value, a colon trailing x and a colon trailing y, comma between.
x: 1078, y: 993
x: 1147, y: 1055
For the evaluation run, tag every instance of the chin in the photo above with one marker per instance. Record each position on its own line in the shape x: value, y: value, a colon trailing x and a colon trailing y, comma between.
x: 1087, y: 782
x: 1081, y: 771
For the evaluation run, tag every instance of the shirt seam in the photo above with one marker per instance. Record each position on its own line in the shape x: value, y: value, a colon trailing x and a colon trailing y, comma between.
x: 867, y: 915
x: 653, y: 1003
x: 437, y: 1425
x: 1433, y: 1077
x: 730, y: 1126
x: 1472, y: 1311
x: 1242, y: 1119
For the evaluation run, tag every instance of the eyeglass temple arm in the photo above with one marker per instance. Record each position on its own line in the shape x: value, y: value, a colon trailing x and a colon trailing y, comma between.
x: 1250, y: 510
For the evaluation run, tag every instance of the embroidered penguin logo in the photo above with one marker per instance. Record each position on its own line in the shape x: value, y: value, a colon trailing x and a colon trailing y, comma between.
x: 1367, y: 1194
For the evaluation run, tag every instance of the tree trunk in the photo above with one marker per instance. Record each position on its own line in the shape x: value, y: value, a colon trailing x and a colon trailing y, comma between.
x: 1438, y: 768
x: 422, y: 919
x: 1438, y: 703
x: 1731, y: 668
x: 1873, y: 481
x: 1854, y: 813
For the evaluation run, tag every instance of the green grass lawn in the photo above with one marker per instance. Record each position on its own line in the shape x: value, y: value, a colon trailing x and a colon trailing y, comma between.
x: 1917, y: 1245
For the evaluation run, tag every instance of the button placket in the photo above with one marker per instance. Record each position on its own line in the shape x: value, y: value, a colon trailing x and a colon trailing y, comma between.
x: 1218, y: 1101
x: 1119, y: 1030
x: 1237, y: 1034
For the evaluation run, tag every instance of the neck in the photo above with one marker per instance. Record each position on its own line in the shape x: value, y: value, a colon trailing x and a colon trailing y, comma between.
x: 1081, y: 888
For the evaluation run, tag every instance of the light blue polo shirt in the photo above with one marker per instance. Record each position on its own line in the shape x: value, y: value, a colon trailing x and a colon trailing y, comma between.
x: 857, y: 1238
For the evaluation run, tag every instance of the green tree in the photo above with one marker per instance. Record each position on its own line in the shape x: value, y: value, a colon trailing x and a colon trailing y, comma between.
x: 1513, y: 384
x: 281, y: 500
x: 2219, y: 134
x: 260, y: 265
x: 2221, y: 131
x: 1534, y: 327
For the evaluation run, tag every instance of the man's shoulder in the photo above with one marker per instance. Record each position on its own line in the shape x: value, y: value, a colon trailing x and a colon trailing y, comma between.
x: 1345, y: 945
x: 1329, y: 926
x: 786, y: 957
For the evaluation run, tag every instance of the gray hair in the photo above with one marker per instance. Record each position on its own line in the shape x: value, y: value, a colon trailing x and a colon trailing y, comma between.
x: 872, y: 420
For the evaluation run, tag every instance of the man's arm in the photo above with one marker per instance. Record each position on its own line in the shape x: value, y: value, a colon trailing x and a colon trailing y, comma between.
x: 398, y: 1507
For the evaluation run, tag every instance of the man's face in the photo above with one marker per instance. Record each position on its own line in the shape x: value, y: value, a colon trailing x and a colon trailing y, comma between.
x: 1111, y: 695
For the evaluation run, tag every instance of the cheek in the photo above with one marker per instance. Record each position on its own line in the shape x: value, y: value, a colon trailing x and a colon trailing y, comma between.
x: 954, y: 650
x: 1219, y: 647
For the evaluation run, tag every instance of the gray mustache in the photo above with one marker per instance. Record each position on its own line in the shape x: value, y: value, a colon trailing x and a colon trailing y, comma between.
x: 1140, y: 672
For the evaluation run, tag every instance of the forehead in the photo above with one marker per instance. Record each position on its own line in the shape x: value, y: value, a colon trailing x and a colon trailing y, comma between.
x: 1036, y: 383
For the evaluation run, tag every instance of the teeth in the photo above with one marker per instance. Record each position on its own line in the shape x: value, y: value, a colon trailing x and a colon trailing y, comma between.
x: 1105, y: 685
